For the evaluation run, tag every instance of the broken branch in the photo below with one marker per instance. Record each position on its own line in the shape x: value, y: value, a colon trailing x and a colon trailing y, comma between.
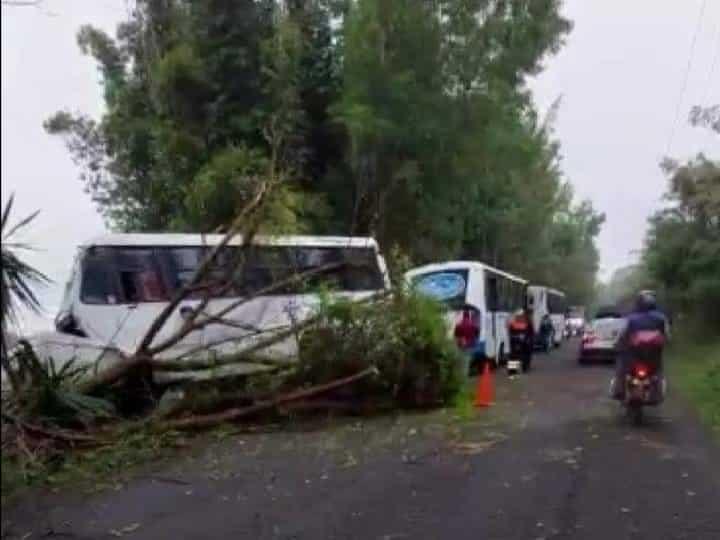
x: 200, y: 422
x: 218, y: 317
x: 62, y: 435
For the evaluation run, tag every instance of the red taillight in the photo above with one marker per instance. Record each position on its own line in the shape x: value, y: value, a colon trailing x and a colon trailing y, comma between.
x: 467, y: 329
x: 641, y: 371
x: 588, y: 337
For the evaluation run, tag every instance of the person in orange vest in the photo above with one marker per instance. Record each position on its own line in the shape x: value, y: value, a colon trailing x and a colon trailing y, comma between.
x: 522, y: 337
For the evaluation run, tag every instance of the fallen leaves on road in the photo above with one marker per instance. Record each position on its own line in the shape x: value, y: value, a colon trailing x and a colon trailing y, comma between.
x: 350, y: 461
x: 473, y: 448
x: 125, y: 530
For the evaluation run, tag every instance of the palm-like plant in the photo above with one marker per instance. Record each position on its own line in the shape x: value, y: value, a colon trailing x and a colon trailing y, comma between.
x: 18, y: 277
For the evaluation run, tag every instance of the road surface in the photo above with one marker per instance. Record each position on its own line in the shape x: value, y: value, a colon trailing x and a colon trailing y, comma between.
x: 553, y: 460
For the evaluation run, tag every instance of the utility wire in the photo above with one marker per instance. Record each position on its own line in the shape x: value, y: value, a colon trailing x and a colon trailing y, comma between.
x: 673, y: 127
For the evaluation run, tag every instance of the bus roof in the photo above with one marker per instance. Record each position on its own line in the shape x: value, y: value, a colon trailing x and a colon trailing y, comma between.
x: 461, y: 265
x: 192, y: 240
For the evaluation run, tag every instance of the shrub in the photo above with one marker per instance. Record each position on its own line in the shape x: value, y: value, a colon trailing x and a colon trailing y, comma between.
x: 46, y: 392
x: 404, y: 336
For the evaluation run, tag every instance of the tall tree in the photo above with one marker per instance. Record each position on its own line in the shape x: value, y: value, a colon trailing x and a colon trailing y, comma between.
x: 682, y: 247
x: 408, y: 120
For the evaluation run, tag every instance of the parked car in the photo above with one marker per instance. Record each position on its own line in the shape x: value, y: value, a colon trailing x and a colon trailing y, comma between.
x: 600, y: 338
x: 574, y: 323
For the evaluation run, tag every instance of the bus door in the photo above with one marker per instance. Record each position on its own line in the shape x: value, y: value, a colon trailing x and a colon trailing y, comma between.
x: 492, y: 298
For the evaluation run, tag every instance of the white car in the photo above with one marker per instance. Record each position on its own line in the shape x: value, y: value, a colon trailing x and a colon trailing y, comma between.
x: 600, y: 338
x: 574, y: 326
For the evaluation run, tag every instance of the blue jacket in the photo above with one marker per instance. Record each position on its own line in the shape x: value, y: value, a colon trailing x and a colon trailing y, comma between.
x: 645, y: 320
x: 640, y: 321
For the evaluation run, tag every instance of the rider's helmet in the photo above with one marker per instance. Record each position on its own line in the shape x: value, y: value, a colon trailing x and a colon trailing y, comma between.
x: 646, y: 301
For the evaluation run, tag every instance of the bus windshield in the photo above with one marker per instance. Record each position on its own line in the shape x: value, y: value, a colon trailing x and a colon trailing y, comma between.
x: 446, y: 286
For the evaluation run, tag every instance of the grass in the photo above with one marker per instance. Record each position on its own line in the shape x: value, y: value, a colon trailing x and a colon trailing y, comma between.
x: 94, y: 469
x: 463, y: 404
x: 695, y: 370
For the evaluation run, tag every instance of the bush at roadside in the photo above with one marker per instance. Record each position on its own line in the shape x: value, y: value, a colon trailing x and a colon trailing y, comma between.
x: 404, y: 336
x: 696, y: 368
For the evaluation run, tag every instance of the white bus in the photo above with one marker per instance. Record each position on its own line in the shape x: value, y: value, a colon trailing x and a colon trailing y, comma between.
x: 120, y: 283
x: 477, y: 292
x: 551, y: 305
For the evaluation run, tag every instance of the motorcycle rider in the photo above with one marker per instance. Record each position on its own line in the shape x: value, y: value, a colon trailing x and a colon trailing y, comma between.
x: 645, y: 318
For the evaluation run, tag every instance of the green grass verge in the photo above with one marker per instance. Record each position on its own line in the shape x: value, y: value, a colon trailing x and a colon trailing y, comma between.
x: 695, y: 371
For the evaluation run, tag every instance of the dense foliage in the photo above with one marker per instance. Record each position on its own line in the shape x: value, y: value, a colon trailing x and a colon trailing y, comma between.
x: 407, y: 119
x: 403, y: 336
x: 682, y: 251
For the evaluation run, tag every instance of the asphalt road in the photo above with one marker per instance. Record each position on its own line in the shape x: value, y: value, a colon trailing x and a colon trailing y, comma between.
x: 554, y: 459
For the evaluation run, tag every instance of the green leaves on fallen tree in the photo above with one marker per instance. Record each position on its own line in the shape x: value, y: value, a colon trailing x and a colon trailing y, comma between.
x: 403, y: 336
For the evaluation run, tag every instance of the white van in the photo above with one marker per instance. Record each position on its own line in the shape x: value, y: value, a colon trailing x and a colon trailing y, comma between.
x: 121, y: 282
x: 478, y: 292
x: 551, y: 304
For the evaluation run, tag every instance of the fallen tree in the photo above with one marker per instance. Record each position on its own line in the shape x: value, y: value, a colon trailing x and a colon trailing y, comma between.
x: 230, y: 415
x: 146, y: 350
x: 389, y: 348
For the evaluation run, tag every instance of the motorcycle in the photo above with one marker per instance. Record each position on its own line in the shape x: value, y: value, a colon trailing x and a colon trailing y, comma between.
x: 644, y: 384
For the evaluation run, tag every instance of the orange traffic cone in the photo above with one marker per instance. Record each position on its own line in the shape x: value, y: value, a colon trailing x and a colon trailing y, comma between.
x: 484, y: 394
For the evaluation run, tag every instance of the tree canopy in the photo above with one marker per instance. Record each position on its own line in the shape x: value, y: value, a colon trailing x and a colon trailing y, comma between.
x: 408, y: 120
x: 682, y: 248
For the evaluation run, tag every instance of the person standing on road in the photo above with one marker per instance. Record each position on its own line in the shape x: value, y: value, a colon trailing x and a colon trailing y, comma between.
x: 522, y: 337
x: 546, y: 333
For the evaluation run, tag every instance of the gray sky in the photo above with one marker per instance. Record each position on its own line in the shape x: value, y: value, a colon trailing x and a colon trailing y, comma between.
x: 620, y: 75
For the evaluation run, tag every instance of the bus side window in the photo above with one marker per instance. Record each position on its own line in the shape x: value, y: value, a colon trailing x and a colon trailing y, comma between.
x: 505, y: 295
x: 491, y: 295
x: 518, y: 301
x: 97, y: 284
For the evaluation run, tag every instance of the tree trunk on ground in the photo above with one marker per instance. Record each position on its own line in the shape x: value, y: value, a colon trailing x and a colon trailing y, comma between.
x: 200, y: 422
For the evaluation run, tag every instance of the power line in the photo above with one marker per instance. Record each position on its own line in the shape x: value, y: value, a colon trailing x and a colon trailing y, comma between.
x: 673, y: 127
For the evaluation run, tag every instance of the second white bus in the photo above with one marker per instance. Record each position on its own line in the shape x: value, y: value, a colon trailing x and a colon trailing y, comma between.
x: 474, y: 291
